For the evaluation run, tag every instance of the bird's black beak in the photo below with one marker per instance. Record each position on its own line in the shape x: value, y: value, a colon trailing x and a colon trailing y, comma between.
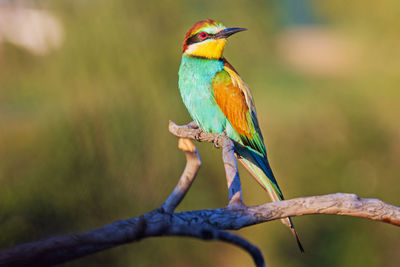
x: 228, y: 32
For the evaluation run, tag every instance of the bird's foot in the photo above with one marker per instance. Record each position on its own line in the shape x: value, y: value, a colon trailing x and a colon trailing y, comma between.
x: 197, y: 135
x: 219, y: 139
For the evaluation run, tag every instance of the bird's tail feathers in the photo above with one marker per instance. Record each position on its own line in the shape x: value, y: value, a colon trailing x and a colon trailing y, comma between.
x: 259, y: 168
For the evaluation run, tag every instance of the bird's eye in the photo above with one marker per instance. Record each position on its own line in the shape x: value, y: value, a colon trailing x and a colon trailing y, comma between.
x: 203, y: 35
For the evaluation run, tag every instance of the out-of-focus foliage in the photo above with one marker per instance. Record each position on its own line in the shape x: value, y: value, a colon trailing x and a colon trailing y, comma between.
x: 84, y: 139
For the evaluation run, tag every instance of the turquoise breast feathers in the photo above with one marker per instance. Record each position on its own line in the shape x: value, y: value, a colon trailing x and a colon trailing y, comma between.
x: 195, y: 79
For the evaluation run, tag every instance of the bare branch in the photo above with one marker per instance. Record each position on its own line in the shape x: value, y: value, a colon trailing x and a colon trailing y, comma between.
x: 193, y: 163
x: 197, y: 134
x: 208, y: 233
x: 245, y: 245
x: 337, y: 204
x: 228, y: 156
x: 232, y: 174
x: 204, y: 224
x: 60, y: 249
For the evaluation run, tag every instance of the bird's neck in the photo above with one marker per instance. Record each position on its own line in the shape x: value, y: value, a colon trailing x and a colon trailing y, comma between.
x: 196, y: 63
x: 193, y: 59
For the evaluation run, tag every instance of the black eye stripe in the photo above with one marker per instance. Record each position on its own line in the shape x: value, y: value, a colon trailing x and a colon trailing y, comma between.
x: 196, y: 38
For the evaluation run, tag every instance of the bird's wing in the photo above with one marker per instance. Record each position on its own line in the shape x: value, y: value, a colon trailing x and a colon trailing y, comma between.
x: 236, y: 102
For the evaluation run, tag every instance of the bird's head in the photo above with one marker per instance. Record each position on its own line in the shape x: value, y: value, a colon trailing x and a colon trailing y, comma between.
x: 207, y: 39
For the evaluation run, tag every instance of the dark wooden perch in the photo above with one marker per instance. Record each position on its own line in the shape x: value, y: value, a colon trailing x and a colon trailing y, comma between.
x: 209, y: 224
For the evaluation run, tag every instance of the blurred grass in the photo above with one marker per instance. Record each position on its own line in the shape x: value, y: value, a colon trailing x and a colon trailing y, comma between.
x: 84, y: 139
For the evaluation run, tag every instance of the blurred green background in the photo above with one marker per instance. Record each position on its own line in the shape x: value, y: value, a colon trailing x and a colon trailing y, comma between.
x: 84, y: 139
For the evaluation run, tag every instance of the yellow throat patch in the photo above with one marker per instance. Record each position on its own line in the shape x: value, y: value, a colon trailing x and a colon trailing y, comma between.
x: 211, y: 48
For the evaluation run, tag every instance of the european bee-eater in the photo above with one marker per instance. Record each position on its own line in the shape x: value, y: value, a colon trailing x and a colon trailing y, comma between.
x: 219, y: 101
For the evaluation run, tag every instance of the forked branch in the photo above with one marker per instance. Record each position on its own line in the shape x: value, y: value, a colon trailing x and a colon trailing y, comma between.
x: 209, y: 224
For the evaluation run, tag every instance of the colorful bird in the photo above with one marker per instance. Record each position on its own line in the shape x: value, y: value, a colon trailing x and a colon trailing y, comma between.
x: 219, y: 101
